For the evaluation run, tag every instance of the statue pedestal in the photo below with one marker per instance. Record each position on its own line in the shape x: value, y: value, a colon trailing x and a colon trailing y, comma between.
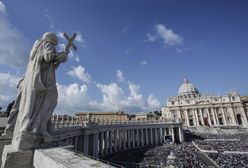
x: 17, y: 159
x: 3, y: 142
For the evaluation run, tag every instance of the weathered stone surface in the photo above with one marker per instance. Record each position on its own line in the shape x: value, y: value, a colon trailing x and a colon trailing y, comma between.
x: 38, y: 94
x: 64, y: 158
x: 17, y: 159
x: 3, y: 142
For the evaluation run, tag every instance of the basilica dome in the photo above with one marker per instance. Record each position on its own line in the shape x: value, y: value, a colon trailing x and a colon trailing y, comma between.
x: 187, y: 88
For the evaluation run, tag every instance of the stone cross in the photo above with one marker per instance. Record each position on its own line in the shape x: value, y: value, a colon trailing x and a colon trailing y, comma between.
x: 70, y: 41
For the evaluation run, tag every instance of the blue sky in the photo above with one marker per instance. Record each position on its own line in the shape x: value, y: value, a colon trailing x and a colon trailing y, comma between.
x: 132, y: 54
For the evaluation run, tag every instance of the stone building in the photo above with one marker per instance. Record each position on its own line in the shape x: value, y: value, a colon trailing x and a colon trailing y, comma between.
x: 102, y: 116
x: 194, y: 109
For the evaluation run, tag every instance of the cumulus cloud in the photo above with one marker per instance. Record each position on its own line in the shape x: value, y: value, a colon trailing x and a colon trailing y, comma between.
x: 8, y: 88
x: 153, y: 102
x: 144, y: 62
x: 75, y: 98
x: 114, y: 99
x: 168, y: 36
x: 119, y: 75
x: 13, y: 48
x: 72, y: 98
x: 80, y: 73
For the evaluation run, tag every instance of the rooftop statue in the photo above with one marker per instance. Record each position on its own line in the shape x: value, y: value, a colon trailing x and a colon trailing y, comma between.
x: 37, y: 96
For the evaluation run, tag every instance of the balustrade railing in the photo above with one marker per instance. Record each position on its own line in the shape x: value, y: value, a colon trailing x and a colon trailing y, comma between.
x: 56, y: 125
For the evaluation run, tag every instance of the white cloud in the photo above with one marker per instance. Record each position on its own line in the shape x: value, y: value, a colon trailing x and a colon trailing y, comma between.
x: 13, y: 48
x: 151, y: 37
x: 153, y: 102
x: 49, y: 18
x: 3, y: 8
x: 168, y: 37
x: 80, y: 39
x: 112, y: 96
x: 8, y: 88
x: 144, y: 62
x: 72, y: 98
x: 80, y: 73
x: 75, y: 98
x: 114, y: 99
x: 135, y: 99
x: 77, y: 59
x: 119, y: 75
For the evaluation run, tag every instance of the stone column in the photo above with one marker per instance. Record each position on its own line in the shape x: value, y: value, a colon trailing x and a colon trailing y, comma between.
x: 115, y: 144
x: 161, y: 136
x: 187, y: 117
x: 106, y: 141
x: 133, y: 138
x: 101, y: 142
x: 151, y: 133
x: 223, y: 116
x: 80, y: 144
x: 120, y: 140
x: 85, y: 145
x: 172, y: 134
x: 110, y: 142
x: 124, y: 139
x: 156, y: 136
x: 202, y: 119
x: 128, y: 139
x: 214, y: 117
x: 232, y: 112
x: 209, y: 119
x: 147, y: 142
x: 95, y: 145
x: 142, y: 137
x: 138, y: 137
x: 181, y: 137
x: 196, y: 117
x: 76, y: 143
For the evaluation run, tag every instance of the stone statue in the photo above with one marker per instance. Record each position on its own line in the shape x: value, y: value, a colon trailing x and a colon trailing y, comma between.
x: 38, y: 93
x: 8, y: 132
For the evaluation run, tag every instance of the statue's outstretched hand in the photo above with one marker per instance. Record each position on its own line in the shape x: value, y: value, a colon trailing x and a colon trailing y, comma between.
x: 62, y: 57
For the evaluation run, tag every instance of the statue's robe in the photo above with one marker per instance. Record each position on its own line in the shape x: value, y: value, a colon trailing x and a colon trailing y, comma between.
x: 39, y: 96
x: 8, y: 132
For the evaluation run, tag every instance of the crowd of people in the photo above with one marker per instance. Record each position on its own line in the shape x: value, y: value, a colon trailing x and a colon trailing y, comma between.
x: 187, y: 155
x: 223, y: 145
x: 230, y: 160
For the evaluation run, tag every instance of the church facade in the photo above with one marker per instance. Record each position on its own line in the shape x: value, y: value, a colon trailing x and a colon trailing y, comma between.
x: 194, y: 109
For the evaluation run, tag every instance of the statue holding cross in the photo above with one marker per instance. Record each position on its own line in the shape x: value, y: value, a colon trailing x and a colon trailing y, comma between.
x: 39, y: 92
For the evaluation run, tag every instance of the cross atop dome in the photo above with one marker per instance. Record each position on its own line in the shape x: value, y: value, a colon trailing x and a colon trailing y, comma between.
x: 185, y: 80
